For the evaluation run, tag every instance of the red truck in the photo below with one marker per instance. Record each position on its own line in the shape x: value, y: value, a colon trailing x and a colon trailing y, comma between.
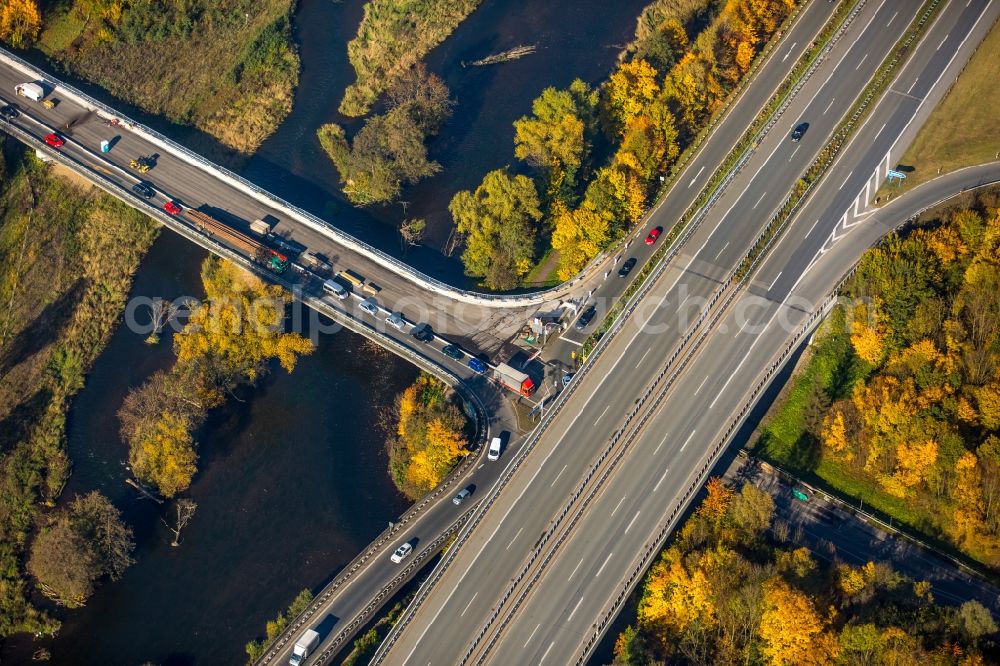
x: 514, y: 380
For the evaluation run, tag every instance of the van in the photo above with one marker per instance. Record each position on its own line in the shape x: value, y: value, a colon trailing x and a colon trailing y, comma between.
x: 351, y: 277
x: 494, y: 452
x: 334, y: 288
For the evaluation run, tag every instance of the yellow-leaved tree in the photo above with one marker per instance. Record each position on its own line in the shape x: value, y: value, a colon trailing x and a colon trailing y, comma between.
x: 792, y: 630
x: 20, y: 22
x: 675, y: 597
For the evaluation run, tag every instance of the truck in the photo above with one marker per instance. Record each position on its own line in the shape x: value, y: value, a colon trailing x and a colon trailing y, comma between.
x: 314, y: 263
x: 514, y: 380
x: 261, y: 227
x: 32, y: 91
x: 262, y: 254
x: 307, y: 642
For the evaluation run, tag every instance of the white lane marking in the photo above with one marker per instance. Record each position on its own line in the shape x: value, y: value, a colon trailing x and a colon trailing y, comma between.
x: 942, y: 42
x: 775, y: 281
x: 722, y: 250
x: 662, y: 441
x: 912, y: 84
x: 793, y: 153
x: 876, y: 136
x: 514, y: 539
x: 558, y: 475
x: 696, y: 176
x: 845, y: 181
x: 828, y: 106
x: 891, y: 20
x: 702, y: 384
x: 602, y: 414
x: 789, y: 52
x: 469, y: 604
x: 546, y: 653
x: 531, y: 636
x: 575, y: 608
x: 759, y: 200
x: 756, y: 340
x: 618, y: 506
x: 688, y: 439
x: 574, y: 570
x: 863, y: 58
x: 572, y: 342
x: 643, y: 358
x: 811, y: 229
x: 657, y: 486
x: 603, y: 565
x: 632, y: 521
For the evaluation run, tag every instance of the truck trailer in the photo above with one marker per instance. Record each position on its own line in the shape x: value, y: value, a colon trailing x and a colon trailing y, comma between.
x: 262, y: 254
x: 32, y: 91
x: 514, y: 380
x: 307, y: 642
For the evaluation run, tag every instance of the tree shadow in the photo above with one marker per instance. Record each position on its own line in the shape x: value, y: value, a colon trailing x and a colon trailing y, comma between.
x: 805, y: 453
x: 44, y: 329
x: 16, y: 426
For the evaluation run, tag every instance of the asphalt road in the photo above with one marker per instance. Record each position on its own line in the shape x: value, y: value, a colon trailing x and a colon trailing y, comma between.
x: 554, y: 620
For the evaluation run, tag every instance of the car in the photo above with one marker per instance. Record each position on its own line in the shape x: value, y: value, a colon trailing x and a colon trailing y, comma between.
x: 494, y: 452
x: 452, y: 351
x: 172, y: 208
x: 144, y: 189
x: 423, y: 332
x: 653, y: 235
x: 401, y: 553
x: 334, y: 288
x: 566, y: 379
x: 586, y: 317
x: 369, y: 305
x: 9, y: 111
x: 396, y: 321
x: 477, y: 366
x: 55, y: 140
x: 627, y: 267
x: 462, y: 495
x: 799, y: 131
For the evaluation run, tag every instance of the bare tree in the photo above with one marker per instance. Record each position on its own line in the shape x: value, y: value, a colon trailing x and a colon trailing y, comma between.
x: 185, y: 511
x: 412, y: 231
x: 161, y: 311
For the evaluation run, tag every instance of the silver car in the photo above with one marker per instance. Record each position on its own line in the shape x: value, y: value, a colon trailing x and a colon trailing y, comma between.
x: 401, y: 553
x: 369, y: 305
x: 396, y: 321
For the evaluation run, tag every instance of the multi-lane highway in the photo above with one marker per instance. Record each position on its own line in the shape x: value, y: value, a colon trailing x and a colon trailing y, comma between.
x: 557, y: 611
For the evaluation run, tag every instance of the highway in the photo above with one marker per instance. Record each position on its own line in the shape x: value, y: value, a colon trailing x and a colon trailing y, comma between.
x: 584, y: 574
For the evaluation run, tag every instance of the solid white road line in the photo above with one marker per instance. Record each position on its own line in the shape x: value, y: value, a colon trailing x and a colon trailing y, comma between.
x: 575, y: 608
x: 558, y: 475
x: 574, y: 570
x: 775, y: 281
x: 469, y: 604
x: 632, y: 521
x: 514, y: 539
x: 657, y: 486
x: 606, y: 560
x: 662, y: 441
x: 546, y: 653
x: 688, y: 439
x: 863, y: 58
x: 700, y: 386
x: 602, y: 414
x: 531, y: 636
x: 643, y: 358
x: 828, y: 106
x: 572, y: 342
x: 618, y: 506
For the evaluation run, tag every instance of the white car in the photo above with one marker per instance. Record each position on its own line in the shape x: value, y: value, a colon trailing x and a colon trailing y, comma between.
x: 494, y: 452
x: 369, y: 305
x: 401, y: 553
x: 396, y: 321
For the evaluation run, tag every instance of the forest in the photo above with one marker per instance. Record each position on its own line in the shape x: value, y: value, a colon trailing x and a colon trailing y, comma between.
x: 899, y: 405
x: 731, y: 588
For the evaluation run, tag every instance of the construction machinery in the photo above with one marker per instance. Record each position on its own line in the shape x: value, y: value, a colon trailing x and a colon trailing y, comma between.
x: 262, y: 254
x: 142, y: 164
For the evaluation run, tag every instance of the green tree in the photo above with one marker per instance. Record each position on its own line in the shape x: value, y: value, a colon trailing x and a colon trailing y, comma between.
x: 498, y: 222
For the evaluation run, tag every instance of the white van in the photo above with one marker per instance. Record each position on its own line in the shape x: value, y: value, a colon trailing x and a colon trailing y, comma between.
x: 494, y: 452
x: 334, y: 288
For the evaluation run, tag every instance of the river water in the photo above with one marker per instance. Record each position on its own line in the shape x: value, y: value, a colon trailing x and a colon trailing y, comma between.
x: 292, y: 478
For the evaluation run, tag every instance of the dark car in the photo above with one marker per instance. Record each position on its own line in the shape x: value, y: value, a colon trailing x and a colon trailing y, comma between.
x: 9, y: 111
x: 586, y: 318
x: 799, y: 131
x: 627, y: 267
x: 144, y: 189
x: 423, y: 332
x: 476, y: 365
x: 452, y: 351
x: 653, y: 235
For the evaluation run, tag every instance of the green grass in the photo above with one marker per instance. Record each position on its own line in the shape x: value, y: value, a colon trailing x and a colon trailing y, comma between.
x: 963, y: 130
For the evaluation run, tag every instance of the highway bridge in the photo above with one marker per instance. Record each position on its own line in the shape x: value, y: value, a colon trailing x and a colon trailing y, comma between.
x: 584, y: 418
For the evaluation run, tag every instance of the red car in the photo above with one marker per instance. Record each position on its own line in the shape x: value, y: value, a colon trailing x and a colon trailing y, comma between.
x: 172, y: 208
x: 653, y: 235
x: 55, y: 140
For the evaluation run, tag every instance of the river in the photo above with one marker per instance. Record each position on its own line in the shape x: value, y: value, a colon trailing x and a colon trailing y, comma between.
x: 292, y: 478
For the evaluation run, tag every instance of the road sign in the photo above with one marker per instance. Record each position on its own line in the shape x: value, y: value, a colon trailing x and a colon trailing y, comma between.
x: 896, y: 174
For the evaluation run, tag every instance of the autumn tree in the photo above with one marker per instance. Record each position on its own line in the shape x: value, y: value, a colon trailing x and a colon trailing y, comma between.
x: 579, y: 236
x: 82, y: 543
x: 20, y: 22
x: 792, y: 630
x: 629, y: 90
x: 497, y: 221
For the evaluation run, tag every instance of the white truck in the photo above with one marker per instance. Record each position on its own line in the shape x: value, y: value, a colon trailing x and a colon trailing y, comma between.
x: 307, y: 642
x: 32, y: 91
